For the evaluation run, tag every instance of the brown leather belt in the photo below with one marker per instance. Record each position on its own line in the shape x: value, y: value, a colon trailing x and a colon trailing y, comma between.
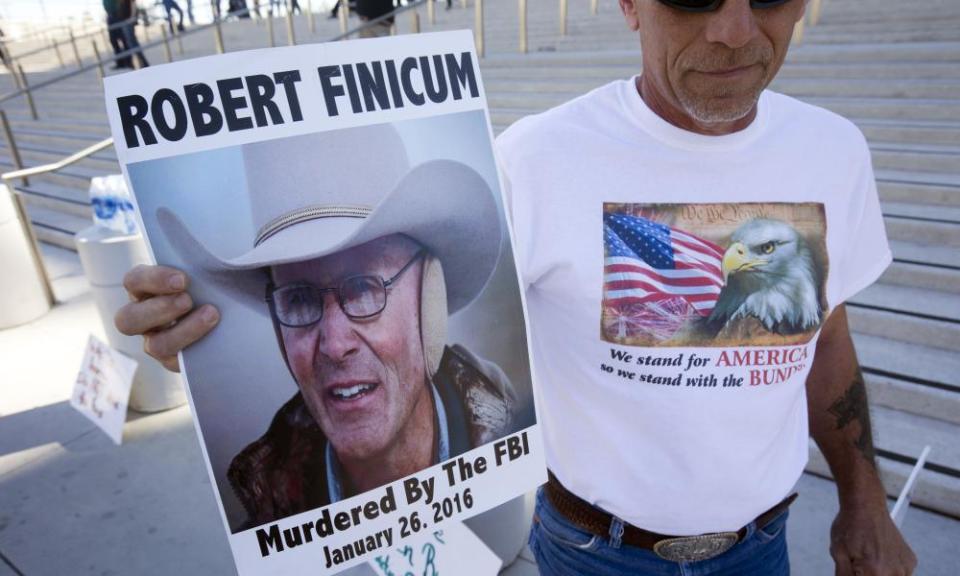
x: 677, y: 548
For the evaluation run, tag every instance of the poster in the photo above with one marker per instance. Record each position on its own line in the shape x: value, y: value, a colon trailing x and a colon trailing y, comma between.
x: 368, y: 382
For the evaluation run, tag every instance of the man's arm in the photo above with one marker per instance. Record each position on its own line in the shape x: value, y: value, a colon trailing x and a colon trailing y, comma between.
x: 864, y: 539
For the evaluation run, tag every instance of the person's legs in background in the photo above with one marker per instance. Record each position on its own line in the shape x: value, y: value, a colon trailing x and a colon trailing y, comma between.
x: 118, y: 42
x: 130, y: 35
x: 170, y: 6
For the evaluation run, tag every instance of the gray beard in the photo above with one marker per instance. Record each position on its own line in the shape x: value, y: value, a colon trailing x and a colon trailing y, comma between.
x: 703, y: 112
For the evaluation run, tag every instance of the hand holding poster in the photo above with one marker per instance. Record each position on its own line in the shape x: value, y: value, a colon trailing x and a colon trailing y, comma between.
x: 339, y: 204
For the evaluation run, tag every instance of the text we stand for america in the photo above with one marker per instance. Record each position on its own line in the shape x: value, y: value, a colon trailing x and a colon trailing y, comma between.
x: 765, y: 367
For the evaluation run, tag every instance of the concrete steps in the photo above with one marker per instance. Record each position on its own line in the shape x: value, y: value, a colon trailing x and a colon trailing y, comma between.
x: 909, y: 362
x: 932, y: 212
x: 935, y: 490
x: 909, y: 397
x: 906, y: 327
x: 922, y: 302
x: 508, y: 80
x: 915, y: 275
x: 495, y: 67
x: 943, y: 256
x: 885, y: 108
x: 923, y: 231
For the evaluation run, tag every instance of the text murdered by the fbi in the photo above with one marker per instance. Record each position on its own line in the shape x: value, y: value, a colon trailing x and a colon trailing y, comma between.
x: 422, y: 490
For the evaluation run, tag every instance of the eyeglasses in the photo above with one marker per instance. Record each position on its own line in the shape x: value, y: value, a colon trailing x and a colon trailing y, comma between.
x: 301, y: 304
x: 711, y: 5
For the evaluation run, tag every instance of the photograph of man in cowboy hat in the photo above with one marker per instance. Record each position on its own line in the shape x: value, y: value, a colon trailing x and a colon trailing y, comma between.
x: 358, y: 259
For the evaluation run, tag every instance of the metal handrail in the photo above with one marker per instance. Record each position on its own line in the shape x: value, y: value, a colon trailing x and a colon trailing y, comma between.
x: 114, y: 58
x: 96, y: 32
x: 23, y: 174
x: 101, y: 29
x: 143, y: 47
x: 54, y: 166
x: 106, y: 143
x: 193, y: 30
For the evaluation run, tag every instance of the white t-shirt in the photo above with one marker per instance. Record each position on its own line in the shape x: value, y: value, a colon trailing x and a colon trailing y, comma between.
x: 676, y: 284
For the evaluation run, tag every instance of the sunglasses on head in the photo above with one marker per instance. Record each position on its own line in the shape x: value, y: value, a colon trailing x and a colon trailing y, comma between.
x: 711, y: 5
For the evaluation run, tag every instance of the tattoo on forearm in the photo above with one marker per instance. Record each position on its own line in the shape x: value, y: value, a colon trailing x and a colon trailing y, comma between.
x: 852, y: 407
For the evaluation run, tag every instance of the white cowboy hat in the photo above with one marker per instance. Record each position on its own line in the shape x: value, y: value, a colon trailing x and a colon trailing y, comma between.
x: 322, y: 193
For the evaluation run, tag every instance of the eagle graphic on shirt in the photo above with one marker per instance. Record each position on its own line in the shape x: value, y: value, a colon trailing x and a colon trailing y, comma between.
x: 675, y: 276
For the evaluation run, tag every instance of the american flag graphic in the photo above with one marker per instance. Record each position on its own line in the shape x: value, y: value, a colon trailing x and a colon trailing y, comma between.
x: 655, y: 271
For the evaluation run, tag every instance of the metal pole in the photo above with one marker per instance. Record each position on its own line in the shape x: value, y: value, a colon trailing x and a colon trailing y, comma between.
x: 22, y: 212
x: 563, y: 17
x: 16, y: 78
x: 415, y: 21
x: 594, y: 6
x: 166, y: 44
x: 56, y: 48
x: 815, y: 7
x: 291, y: 40
x: 478, y: 25
x: 432, y: 12
x: 27, y: 92
x: 76, y: 53
x: 179, y: 44
x: 12, y: 146
x: 344, y: 13
x: 96, y: 53
x: 523, y: 26
x: 798, y: 32
x: 906, y: 494
x: 218, y: 36
x: 311, y: 21
x: 463, y: 3
x: 270, y: 29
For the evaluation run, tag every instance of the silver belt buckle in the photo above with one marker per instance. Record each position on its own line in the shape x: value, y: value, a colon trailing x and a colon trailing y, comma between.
x: 695, y: 548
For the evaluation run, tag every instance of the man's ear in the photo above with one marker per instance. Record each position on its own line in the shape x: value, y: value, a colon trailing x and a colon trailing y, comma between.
x: 433, y: 314
x: 630, y: 13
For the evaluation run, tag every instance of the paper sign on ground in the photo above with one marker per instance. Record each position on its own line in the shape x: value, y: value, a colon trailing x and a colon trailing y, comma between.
x: 103, y: 387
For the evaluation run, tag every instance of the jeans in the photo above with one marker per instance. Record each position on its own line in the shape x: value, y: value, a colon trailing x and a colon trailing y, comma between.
x: 130, y: 36
x: 563, y: 549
